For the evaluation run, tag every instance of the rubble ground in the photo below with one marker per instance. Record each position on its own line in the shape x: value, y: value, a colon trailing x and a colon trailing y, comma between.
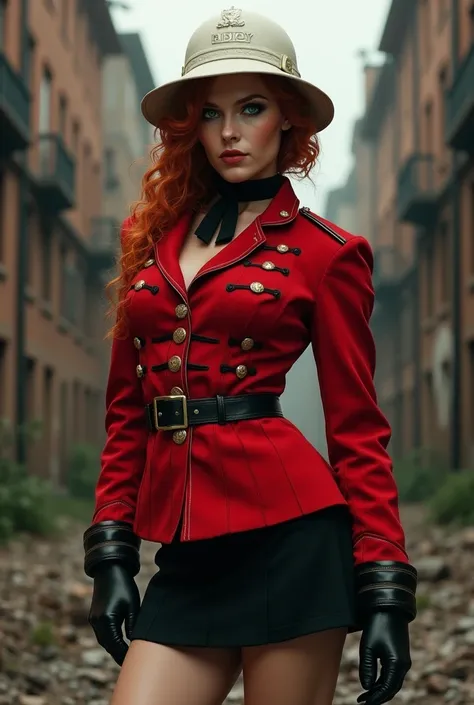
x: 49, y: 655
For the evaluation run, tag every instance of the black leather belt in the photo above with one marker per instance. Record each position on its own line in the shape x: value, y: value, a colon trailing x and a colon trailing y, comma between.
x: 177, y: 412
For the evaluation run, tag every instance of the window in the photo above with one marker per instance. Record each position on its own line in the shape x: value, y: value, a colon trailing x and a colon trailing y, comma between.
x: 3, y: 22
x: 46, y: 255
x: 80, y: 295
x: 71, y: 304
x: 470, y: 226
x: 429, y: 279
x: 45, y: 102
x: 110, y: 170
x: 65, y: 19
x: 30, y: 250
x: 86, y: 175
x: 30, y: 389
x: 28, y: 63
x: 429, y: 415
x: 46, y: 419
x: 75, y: 138
x: 3, y: 183
x: 445, y: 263
x: 442, y: 86
x: 3, y: 380
x: 63, y: 117
x: 428, y: 131
x: 63, y: 280
x: 64, y: 435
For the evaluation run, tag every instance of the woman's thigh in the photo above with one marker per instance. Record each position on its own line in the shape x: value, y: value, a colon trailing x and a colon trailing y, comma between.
x: 301, y: 671
x: 154, y: 674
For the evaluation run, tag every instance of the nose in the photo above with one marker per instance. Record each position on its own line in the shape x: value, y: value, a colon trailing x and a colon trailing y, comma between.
x: 230, y: 132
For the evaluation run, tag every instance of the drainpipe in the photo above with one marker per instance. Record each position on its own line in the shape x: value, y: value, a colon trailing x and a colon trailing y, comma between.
x: 456, y: 417
x: 22, y: 274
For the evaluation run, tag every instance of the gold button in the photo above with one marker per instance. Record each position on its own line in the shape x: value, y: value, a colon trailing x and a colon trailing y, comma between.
x: 179, y: 436
x: 268, y: 266
x: 140, y: 371
x: 139, y: 285
x: 241, y: 371
x: 284, y: 214
x: 174, y: 363
x: 181, y: 311
x: 137, y: 343
x: 247, y: 344
x: 176, y: 391
x: 257, y: 287
x: 179, y: 336
x: 149, y: 262
x: 283, y: 248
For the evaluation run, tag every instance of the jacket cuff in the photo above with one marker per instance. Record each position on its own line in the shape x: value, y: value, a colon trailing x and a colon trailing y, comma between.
x: 386, y: 585
x: 111, y: 541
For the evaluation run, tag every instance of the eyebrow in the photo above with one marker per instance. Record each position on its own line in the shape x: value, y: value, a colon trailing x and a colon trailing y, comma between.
x: 241, y: 100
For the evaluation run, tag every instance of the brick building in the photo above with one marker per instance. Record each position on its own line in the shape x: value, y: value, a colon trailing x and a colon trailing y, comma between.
x: 419, y: 128
x: 51, y: 196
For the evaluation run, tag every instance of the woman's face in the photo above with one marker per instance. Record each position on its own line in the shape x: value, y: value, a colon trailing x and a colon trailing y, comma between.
x: 241, y: 127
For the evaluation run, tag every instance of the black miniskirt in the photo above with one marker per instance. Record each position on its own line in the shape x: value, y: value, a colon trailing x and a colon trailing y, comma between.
x: 254, y: 587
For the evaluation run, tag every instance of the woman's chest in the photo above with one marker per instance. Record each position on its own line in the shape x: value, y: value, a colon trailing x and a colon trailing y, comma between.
x: 265, y: 293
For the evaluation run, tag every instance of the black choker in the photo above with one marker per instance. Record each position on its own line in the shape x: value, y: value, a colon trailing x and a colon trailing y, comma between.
x: 226, y: 209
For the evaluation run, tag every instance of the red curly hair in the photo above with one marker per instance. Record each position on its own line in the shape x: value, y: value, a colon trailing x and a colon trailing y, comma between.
x: 180, y: 177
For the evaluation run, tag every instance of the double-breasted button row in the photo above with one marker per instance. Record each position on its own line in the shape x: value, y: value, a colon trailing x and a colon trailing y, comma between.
x: 179, y: 335
x: 257, y: 287
x: 174, y: 363
x: 247, y: 344
x: 241, y: 371
x: 181, y: 311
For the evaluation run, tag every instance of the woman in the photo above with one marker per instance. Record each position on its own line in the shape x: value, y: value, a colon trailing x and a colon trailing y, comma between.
x: 269, y: 555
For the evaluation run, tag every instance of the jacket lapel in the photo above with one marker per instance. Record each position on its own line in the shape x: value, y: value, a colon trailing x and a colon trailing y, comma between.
x: 282, y: 210
x: 167, y: 252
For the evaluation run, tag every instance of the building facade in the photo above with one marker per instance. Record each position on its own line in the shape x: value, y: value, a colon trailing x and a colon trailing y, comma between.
x: 127, y: 139
x: 51, y: 262
x: 419, y: 126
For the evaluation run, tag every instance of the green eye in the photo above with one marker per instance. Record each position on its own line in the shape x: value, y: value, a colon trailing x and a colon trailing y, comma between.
x: 253, y: 109
x: 209, y: 114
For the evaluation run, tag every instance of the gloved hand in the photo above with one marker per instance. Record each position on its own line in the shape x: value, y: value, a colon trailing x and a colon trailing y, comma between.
x: 115, y: 601
x: 385, y: 638
x: 386, y: 602
x: 112, y: 559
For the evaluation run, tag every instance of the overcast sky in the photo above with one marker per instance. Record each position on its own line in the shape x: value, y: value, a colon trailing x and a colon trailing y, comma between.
x: 327, y: 34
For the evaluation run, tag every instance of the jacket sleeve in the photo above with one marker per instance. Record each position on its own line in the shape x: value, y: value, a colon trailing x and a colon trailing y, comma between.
x: 357, y: 432
x: 124, y: 454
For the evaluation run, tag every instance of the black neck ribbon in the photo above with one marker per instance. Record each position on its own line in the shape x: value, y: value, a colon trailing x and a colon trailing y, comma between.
x: 225, y: 210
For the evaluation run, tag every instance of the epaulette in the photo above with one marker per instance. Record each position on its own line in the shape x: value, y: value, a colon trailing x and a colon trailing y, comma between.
x: 314, y: 219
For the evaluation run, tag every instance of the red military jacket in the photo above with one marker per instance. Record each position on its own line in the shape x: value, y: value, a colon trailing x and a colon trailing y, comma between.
x: 285, y: 282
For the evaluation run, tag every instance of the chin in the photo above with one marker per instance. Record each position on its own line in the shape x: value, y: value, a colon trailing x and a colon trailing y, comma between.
x: 236, y: 174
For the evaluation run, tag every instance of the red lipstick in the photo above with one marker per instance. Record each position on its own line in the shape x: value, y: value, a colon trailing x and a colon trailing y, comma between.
x: 232, y: 156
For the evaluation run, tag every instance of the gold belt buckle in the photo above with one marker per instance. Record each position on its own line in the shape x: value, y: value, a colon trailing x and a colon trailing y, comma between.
x: 171, y: 427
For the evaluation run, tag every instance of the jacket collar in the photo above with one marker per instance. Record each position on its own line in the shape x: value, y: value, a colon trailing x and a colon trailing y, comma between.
x: 283, y: 209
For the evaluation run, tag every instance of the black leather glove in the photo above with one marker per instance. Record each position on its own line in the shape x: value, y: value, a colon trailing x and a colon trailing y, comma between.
x: 387, y: 604
x: 112, y: 559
